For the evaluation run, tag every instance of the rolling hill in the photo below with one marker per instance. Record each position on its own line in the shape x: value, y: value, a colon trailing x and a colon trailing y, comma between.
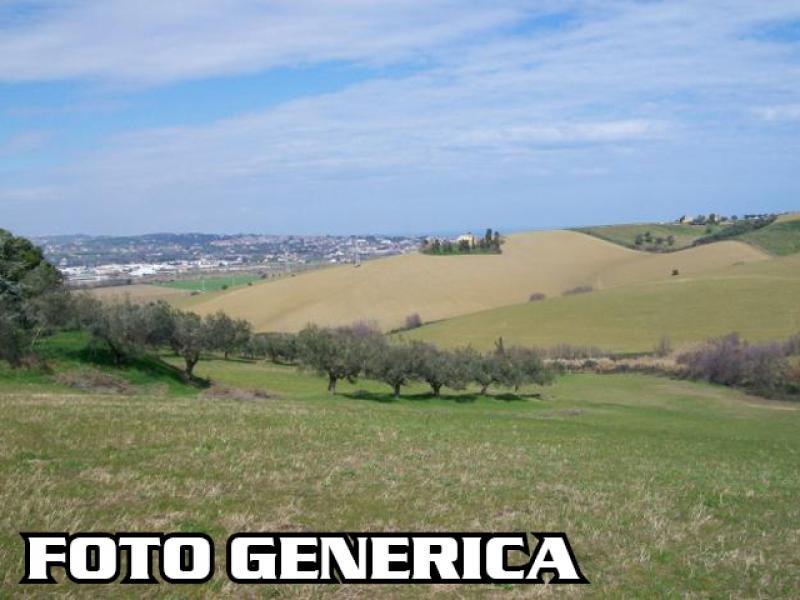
x: 441, y: 287
x: 758, y: 300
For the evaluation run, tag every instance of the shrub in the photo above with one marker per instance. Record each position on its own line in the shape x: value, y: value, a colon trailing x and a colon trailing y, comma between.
x: 536, y: 297
x: 413, y: 321
x: 791, y: 347
x: 730, y: 361
x: 581, y: 289
x: 675, y: 272
x: 663, y: 347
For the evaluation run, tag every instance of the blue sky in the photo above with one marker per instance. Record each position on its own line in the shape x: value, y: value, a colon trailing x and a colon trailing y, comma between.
x: 399, y: 116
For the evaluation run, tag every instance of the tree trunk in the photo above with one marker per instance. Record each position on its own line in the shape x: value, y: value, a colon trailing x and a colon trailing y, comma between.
x: 226, y: 355
x: 190, y: 363
x: 484, y: 388
x: 396, y: 387
x: 436, y: 387
x: 331, y: 384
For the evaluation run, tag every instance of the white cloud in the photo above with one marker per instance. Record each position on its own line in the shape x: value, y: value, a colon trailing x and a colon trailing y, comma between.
x: 651, y: 87
x: 142, y: 42
x: 785, y: 112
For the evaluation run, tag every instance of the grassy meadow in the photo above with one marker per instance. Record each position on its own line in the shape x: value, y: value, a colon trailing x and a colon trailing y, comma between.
x: 666, y: 488
x: 781, y: 238
x: 625, y: 235
x: 211, y: 284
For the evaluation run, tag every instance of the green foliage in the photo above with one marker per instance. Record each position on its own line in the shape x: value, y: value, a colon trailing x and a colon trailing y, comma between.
x: 278, y: 347
x: 490, y: 243
x: 735, y: 230
x: 645, y: 236
x: 31, y: 296
x: 190, y: 338
x: 340, y: 353
x: 226, y: 334
x: 395, y: 364
x: 439, y: 368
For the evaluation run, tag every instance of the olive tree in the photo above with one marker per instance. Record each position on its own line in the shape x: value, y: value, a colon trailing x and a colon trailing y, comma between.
x: 226, y: 334
x: 438, y: 368
x: 339, y: 353
x: 395, y: 364
x: 189, y: 339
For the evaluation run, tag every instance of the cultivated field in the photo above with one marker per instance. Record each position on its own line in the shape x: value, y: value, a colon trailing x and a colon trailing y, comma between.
x: 665, y: 488
x: 440, y: 287
x: 758, y: 300
x: 138, y: 292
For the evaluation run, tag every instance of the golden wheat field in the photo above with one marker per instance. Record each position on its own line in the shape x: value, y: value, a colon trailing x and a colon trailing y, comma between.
x: 439, y: 287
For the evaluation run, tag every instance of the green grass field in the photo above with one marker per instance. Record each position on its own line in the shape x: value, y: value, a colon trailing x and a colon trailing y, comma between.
x: 757, y: 300
x: 665, y: 488
x: 625, y: 235
x: 780, y: 238
x: 211, y: 284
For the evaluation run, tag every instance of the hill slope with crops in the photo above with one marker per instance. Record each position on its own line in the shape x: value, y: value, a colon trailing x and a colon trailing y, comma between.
x: 758, y: 300
x: 386, y: 291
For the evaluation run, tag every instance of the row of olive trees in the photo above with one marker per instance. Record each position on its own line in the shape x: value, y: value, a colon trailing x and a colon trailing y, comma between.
x: 345, y: 353
x: 128, y: 329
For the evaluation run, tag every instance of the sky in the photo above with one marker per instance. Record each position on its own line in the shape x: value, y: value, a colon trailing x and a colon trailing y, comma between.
x: 393, y: 116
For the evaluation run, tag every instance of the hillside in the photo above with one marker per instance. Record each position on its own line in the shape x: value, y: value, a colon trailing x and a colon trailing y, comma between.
x: 709, y: 464
x: 625, y: 235
x: 758, y: 300
x: 440, y: 287
x: 782, y: 237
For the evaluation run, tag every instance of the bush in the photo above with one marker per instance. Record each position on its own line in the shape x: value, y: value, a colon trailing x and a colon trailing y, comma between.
x: 536, y: 297
x: 413, y: 321
x: 730, y: 361
x: 581, y: 289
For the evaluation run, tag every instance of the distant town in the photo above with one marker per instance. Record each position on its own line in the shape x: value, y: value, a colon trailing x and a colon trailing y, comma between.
x: 105, y: 260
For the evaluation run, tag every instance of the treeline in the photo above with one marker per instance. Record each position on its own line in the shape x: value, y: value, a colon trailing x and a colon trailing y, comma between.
x: 490, y: 243
x: 345, y: 353
x: 736, y: 228
x: 129, y: 330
